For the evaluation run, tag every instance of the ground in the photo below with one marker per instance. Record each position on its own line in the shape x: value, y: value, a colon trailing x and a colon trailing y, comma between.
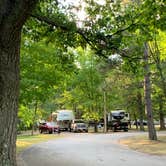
x: 83, y: 149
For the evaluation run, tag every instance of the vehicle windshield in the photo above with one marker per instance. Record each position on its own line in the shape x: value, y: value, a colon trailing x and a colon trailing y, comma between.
x: 78, y: 121
x: 51, y: 124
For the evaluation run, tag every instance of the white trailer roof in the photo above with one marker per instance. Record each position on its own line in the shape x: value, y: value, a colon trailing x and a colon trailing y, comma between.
x: 117, y: 112
x: 65, y: 115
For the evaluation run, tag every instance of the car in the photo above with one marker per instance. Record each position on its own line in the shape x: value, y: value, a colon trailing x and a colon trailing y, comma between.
x: 138, y: 123
x: 78, y: 125
x: 100, y: 125
x: 49, y: 127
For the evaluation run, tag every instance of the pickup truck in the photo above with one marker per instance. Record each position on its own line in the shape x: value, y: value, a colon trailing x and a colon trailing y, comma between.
x: 78, y: 125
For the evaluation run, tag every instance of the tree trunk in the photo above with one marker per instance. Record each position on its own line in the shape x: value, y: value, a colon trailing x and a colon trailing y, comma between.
x: 9, y: 86
x: 95, y: 127
x: 163, y: 81
x: 140, y: 110
x: 147, y: 91
x: 162, y: 121
x: 12, y: 17
x: 34, y: 118
x: 161, y: 114
x: 105, y: 113
x: 136, y: 122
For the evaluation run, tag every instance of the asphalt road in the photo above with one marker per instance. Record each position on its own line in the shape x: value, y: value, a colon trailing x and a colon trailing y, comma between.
x: 88, y: 150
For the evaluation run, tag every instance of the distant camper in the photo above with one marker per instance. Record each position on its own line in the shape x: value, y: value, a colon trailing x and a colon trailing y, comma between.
x: 64, y: 119
x: 118, y: 114
x: 118, y: 120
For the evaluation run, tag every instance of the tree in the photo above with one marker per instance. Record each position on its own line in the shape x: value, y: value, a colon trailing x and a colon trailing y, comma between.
x: 148, y: 101
x: 154, y: 10
x: 12, y: 17
x: 157, y: 50
x: 102, y: 33
x: 86, y: 85
x: 44, y: 71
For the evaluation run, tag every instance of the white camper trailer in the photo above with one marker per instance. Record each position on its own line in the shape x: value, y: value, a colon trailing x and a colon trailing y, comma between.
x: 64, y: 119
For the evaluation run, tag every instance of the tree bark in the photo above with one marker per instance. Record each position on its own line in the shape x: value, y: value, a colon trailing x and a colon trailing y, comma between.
x: 140, y: 110
x: 162, y: 121
x: 163, y: 80
x: 147, y: 91
x: 136, y: 122
x: 34, y: 118
x: 9, y: 86
x: 13, y: 14
x: 161, y: 114
x: 105, y: 113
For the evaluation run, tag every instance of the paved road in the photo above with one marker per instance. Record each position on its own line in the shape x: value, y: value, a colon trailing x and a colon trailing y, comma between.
x: 88, y: 150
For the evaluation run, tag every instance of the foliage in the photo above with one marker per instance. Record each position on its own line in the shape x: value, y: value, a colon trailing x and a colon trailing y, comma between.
x: 25, y: 116
x: 110, y: 28
x: 44, y: 69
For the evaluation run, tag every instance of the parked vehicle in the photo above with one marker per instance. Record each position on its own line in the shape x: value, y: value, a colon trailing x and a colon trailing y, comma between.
x: 138, y: 123
x: 100, y: 125
x: 79, y: 125
x: 49, y: 127
x: 118, y: 120
x: 64, y: 119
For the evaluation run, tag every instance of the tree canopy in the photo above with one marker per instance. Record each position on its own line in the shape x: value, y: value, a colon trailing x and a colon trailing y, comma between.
x: 69, y: 60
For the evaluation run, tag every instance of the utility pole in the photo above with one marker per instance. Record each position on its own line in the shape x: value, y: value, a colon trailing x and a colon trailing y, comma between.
x: 105, y: 113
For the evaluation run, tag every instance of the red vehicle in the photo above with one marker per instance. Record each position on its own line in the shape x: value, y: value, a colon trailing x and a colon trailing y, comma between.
x: 49, y: 127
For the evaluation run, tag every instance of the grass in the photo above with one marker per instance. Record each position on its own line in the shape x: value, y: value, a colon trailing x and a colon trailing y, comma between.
x: 25, y: 141
x: 143, y: 144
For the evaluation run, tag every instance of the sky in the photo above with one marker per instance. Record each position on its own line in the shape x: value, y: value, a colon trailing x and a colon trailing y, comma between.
x: 80, y: 13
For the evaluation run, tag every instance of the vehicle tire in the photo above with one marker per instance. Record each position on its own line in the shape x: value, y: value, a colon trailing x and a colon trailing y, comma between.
x: 125, y: 130
x: 114, y: 129
x: 74, y: 131
x: 50, y: 132
x: 40, y: 131
x: 58, y: 131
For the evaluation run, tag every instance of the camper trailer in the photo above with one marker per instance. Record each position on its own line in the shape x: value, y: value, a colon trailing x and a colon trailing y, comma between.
x: 118, y: 120
x: 64, y: 119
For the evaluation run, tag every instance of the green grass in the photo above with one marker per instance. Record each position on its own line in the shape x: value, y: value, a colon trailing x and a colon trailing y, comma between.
x: 25, y: 141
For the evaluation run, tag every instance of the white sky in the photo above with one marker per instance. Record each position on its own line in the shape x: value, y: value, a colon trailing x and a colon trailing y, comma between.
x: 80, y: 13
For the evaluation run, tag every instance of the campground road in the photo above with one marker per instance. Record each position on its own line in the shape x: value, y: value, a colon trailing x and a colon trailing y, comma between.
x: 84, y: 149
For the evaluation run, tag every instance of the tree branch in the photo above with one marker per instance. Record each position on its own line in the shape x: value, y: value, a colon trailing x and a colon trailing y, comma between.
x: 66, y: 27
x: 55, y: 23
x: 52, y: 22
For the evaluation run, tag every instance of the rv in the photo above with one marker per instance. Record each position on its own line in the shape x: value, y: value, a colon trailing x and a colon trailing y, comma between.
x: 64, y: 119
x: 118, y: 120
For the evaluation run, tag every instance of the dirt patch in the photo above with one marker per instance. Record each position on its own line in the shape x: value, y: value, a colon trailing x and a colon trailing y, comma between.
x: 142, y: 144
